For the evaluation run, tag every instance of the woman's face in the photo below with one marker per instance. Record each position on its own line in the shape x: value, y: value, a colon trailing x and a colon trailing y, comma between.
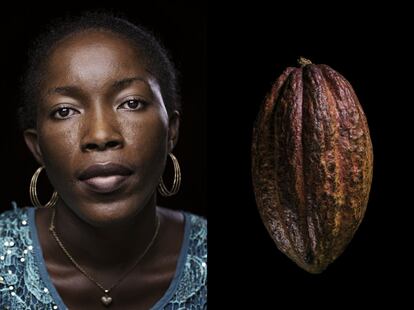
x: 103, y: 132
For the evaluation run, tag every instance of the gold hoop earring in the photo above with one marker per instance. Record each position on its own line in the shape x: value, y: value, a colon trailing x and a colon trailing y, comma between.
x: 177, y: 180
x: 33, y: 193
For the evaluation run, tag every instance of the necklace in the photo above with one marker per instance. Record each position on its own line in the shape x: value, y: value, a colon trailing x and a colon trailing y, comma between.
x: 106, y: 299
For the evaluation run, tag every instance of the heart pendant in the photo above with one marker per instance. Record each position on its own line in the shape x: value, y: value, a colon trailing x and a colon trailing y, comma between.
x: 106, y: 300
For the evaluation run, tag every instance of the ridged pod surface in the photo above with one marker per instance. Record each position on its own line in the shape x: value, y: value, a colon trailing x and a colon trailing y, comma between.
x: 312, y: 164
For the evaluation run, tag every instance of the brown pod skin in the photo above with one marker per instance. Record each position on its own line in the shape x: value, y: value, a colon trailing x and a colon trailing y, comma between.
x: 312, y: 164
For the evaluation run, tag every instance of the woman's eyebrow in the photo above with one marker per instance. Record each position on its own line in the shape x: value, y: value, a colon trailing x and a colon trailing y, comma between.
x: 76, y: 91
x: 124, y: 83
x: 66, y: 90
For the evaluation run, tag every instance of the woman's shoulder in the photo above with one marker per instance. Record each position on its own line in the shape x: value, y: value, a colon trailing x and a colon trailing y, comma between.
x: 13, y: 219
x: 197, y: 233
x: 14, y: 230
x: 190, y: 288
x: 198, y: 222
x: 21, y: 283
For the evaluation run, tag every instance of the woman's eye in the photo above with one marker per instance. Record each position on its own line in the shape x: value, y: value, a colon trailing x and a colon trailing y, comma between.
x: 133, y: 104
x: 63, y: 113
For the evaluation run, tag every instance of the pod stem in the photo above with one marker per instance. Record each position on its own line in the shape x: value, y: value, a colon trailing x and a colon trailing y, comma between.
x: 304, y: 62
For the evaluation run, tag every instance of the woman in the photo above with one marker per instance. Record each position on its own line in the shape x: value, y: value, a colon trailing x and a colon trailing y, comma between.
x: 101, y: 116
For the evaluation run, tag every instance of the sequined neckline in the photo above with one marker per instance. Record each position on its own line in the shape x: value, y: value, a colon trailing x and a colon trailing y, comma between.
x: 38, y: 254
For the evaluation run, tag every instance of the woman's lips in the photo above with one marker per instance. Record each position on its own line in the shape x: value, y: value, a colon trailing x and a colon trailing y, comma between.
x: 104, y: 177
x: 105, y: 184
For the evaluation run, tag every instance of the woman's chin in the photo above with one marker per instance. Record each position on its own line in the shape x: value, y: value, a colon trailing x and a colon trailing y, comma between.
x: 109, y: 214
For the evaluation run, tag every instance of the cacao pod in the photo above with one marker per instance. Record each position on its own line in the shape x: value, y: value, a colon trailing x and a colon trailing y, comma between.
x: 312, y: 164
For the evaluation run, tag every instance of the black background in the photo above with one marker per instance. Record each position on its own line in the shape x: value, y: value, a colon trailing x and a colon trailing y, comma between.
x: 248, y: 48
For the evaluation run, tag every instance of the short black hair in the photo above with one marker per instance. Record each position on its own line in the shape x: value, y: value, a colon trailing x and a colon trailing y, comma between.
x: 155, y: 57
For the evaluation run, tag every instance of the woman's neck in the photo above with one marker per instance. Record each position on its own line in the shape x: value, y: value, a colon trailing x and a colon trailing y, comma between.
x: 98, y: 248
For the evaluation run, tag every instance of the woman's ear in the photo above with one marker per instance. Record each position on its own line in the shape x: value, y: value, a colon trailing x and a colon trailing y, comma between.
x: 32, y: 142
x: 173, y: 130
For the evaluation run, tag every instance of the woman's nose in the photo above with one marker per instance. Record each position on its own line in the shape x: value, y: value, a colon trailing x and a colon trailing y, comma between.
x: 102, y: 132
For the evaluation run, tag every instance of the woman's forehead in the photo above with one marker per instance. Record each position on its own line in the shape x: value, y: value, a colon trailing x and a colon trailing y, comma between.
x: 94, y: 56
x: 93, y: 43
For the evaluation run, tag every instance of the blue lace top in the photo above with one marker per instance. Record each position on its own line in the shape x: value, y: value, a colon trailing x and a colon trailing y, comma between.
x: 25, y: 283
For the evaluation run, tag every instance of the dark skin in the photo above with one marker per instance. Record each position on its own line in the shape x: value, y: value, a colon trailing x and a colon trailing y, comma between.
x: 100, y: 104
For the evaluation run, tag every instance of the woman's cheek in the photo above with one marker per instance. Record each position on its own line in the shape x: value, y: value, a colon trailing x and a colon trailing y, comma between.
x: 58, y: 146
